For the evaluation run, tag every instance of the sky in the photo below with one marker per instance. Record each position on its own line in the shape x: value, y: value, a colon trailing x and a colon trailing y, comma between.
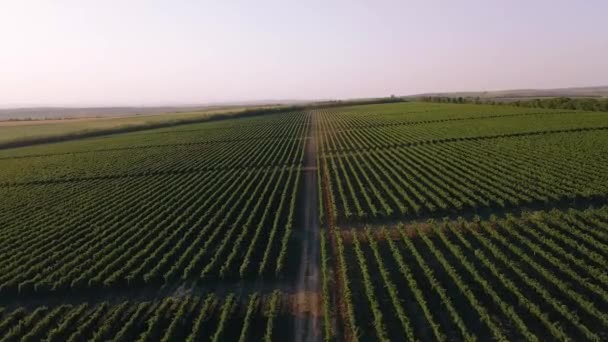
x: 153, y: 52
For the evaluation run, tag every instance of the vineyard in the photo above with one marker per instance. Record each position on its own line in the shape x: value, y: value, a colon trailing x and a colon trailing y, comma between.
x: 463, y: 223
x: 536, y: 277
x: 401, y: 221
x: 381, y: 168
x: 196, y: 211
x: 191, y: 318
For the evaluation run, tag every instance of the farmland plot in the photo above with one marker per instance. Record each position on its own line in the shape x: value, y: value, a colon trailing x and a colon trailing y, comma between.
x: 404, y: 221
x: 127, y: 216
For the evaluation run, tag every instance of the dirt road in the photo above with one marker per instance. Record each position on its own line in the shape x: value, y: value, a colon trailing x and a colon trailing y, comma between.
x: 308, y: 285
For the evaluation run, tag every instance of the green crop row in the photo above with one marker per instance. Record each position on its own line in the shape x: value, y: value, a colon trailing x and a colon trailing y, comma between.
x: 189, y: 318
x: 538, y: 276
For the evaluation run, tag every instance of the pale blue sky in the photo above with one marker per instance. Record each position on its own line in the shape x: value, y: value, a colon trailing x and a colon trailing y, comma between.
x: 136, y: 52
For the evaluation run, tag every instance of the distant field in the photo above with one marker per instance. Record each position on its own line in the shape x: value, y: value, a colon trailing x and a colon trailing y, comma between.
x: 445, y: 159
x: 18, y: 131
x: 403, y: 221
x: 465, y: 222
x: 514, y: 94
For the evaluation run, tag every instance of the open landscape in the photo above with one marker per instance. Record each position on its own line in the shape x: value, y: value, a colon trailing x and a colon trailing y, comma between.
x: 303, y: 171
x: 16, y: 132
x: 392, y: 221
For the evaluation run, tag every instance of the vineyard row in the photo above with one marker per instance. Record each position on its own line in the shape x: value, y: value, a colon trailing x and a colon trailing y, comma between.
x: 188, y: 318
x: 539, y: 276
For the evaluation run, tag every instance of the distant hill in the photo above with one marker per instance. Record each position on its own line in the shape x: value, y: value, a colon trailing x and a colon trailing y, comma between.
x: 518, y: 94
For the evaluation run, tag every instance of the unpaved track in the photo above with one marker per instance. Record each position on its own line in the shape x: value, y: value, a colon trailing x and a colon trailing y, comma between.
x: 308, y: 284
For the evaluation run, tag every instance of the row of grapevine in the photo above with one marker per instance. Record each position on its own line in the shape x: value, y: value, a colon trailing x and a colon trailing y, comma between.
x: 176, y: 241
x: 242, y: 129
x: 440, y: 180
x: 19, y: 199
x: 381, y: 132
x: 133, y: 231
x: 165, y: 159
x: 328, y: 332
x: 537, y: 276
x: 416, y: 113
x: 190, y: 318
x: 373, y: 175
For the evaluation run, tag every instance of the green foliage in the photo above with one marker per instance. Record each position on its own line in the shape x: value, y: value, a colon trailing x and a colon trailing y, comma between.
x: 468, y: 158
x: 211, y: 210
x: 152, y: 208
x: 583, y: 104
x: 188, y: 318
x: 532, y: 276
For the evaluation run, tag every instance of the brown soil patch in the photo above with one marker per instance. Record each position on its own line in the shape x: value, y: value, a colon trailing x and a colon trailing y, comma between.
x: 306, y: 304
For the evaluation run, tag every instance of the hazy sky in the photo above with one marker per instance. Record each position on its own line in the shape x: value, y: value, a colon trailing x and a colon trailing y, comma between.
x: 131, y: 52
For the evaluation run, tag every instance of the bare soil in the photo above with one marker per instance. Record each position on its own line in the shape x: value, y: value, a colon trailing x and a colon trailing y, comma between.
x: 306, y: 305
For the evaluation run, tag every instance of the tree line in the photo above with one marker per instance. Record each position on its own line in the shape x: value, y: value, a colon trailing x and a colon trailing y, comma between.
x: 586, y: 104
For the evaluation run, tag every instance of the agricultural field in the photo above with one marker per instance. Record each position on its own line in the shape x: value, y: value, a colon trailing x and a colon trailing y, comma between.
x: 189, y: 318
x: 199, y: 206
x: 395, y: 166
x: 541, y: 276
x: 463, y: 222
x: 74, y: 122
x: 401, y: 221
